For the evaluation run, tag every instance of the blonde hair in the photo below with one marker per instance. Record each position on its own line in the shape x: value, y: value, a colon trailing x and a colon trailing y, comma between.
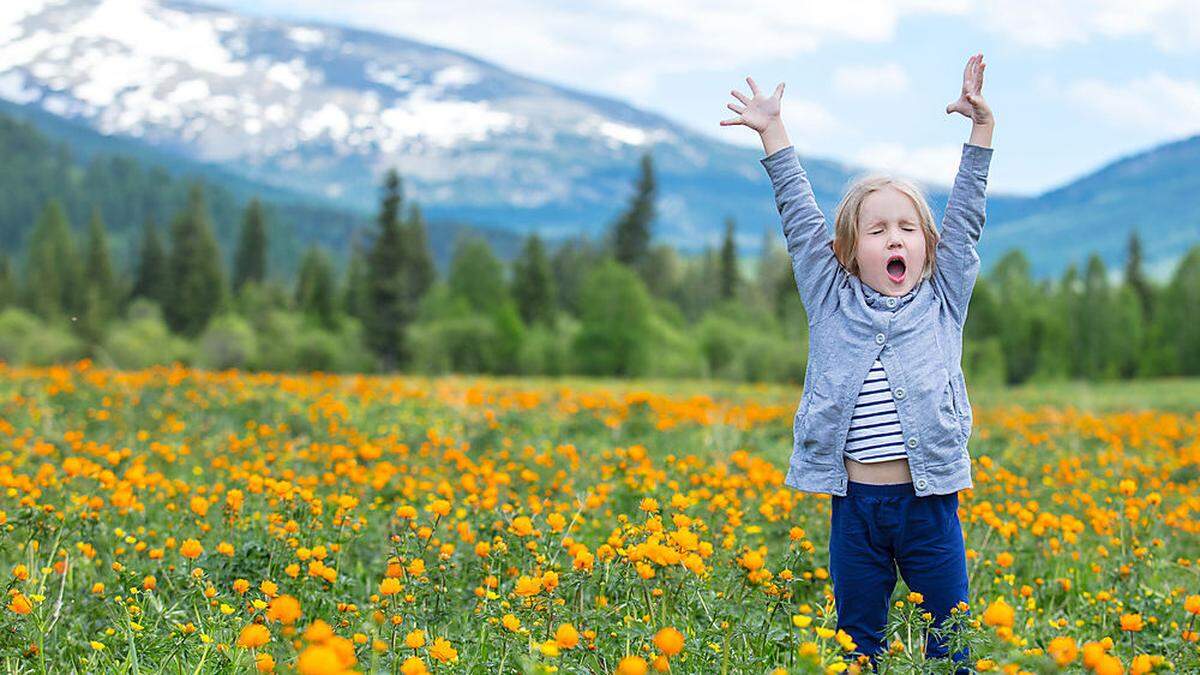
x: 845, y: 231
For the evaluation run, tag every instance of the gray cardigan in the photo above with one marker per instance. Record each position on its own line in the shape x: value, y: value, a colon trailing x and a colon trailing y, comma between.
x: 918, y: 337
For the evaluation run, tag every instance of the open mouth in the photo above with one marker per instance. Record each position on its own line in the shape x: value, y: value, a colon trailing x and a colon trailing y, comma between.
x: 896, y: 268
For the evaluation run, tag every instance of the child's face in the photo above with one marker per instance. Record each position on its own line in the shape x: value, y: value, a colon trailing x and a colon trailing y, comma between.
x: 889, y: 228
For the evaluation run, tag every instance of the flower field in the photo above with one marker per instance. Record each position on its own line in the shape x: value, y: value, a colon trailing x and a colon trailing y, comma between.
x: 184, y: 521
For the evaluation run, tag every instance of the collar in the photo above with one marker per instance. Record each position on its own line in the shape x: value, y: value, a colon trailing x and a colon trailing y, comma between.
x: 887, y: 303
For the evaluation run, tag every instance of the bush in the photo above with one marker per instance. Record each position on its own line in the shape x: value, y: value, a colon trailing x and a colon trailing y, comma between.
x: 672, y: 352
x: 26, y: 340
x: 143, y: 342
x: 227, y: 342
x: 546, y: 350
x: 461, y: 345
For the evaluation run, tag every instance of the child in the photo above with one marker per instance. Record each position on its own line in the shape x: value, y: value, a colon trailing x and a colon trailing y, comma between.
x: 883, y: 422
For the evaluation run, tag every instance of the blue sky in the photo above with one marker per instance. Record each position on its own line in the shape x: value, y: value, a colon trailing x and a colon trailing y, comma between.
x: 1073, y: 84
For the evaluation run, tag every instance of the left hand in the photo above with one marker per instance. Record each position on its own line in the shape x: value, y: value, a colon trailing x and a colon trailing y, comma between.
x: 971, y: 103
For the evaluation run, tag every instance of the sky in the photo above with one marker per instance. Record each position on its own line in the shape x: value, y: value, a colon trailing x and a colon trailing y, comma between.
x: 1073, y: 84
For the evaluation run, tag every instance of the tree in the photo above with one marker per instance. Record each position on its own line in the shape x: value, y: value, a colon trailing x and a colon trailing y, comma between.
x: 570, y: 264
x: 631, y: 234
x: 615, y: 322
x: 8, y: 290
x: 151, y: 279
x: 421, y: 272
x: 196, y: 289
x: 355, y: 289
x: 1178, y: 309
x: 533, y: 282
x: 314, y: 288
x: 729, y: 263
x: 1095, y: 328
x: 476, y: 275
x: 251, y: 261
x: 100, y: 295
x: 387, y: 315
x: 52, y: 274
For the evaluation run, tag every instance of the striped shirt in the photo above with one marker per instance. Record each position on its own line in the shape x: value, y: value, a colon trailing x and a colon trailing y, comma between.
x: 875, y: 434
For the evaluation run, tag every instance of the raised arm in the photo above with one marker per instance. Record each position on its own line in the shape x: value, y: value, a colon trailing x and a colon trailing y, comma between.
x: 957, y: 264
x: 804, y: 228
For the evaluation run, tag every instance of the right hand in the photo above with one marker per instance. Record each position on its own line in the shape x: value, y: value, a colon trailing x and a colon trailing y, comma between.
x: 757, y: 113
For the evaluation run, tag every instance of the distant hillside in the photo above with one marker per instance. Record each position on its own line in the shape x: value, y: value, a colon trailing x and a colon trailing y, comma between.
x: 49, y: 157
x: 1156, y: 191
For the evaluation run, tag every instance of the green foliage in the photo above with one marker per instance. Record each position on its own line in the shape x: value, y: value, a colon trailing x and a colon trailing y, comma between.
x: 533, y: 282
x: 52, y: 275
x: 631, y: 233
x: 616, y: 313
x: 143, y: 340
x: 315, y: 294
x: 476, y: 275
x: 227, y: 342
x: 25, y: 339
x: 196, y: 287
x: 250, y: 263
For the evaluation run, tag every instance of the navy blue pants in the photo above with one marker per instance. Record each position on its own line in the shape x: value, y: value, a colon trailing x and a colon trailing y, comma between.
x: 876, y: 528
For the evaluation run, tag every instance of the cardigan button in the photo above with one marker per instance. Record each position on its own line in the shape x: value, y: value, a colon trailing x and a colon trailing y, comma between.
x: 891, y: 302
x: 921, y: 483
x: 879, y: 338
x: 899, y: 392
x: 912, y: 441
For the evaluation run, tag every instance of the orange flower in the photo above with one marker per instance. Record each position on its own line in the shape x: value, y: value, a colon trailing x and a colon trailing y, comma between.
x: 415, y: 639
x: 632, y: 665
x: 527, y: 586
x: 1192, y: 604
x: 442, y: 651
x: 253, y: 635
x: 191, y: 548
x: 389, y: 586
x: 319, y: 660
x: 413, y: 665
x: 566, y: 637
x: 1062, y: 649
x: 669, y: 641
x: 285, y: 609
x: 1131, y: 622
x: 999, y: 613
x: 19, y: 604
x: 264, y: 663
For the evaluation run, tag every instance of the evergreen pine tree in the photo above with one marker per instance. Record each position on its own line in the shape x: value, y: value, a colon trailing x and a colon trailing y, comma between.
x: 315, y: 288
x: 251, y: 261
x: 8, y: 290
x: 100, y: 294
x: 533, y: 282
x: 631, y: 234
x: 1096, y: 324
x: 387, y: 316
x: 52, y: 274
x: 421, y: 271
x: 355, y: 298
x: 151, y: 279
x: 729, y: 269
x: 1179, y: 309
x: 197, y: 285
x: 476, y: 275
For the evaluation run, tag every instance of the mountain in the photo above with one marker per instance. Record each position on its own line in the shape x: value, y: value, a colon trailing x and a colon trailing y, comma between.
x: 48, y: 157
x: 323, y: 111
x: 1155, y: 191
x: 319, y: 112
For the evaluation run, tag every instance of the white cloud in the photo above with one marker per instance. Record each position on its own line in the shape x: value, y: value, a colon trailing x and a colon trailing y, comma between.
x: 1170, y: 25
x: 1155, y: 102
x: 935, y: 164
x: 885, y: 78
x: 570, y: 42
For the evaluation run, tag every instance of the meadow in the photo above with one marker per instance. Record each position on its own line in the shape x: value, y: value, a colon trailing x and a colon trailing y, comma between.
x: 188, y: 521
